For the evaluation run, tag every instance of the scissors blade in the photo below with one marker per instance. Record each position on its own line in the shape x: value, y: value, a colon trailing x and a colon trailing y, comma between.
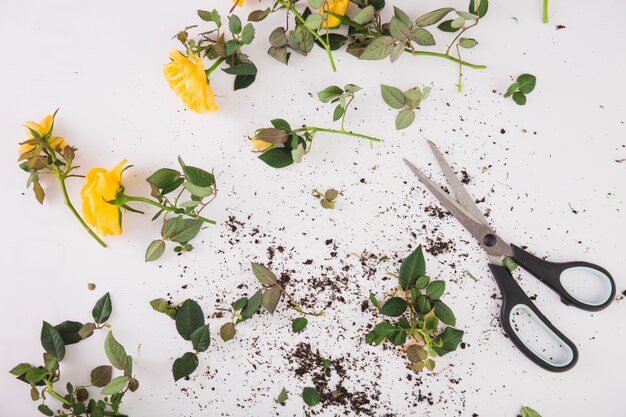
x: 460, y: 193
x: 495, y: 247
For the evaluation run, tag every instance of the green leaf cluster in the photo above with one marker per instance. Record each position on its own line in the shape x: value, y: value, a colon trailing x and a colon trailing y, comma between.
x: 43, y: 379
x: 287, y: 145
x: 524, y: 84
x: 327, y: 199
x: 191, y: 326
x: 421, y: 319
x: 407, y: 102
x: 342, y: 96
x: 200, y: 189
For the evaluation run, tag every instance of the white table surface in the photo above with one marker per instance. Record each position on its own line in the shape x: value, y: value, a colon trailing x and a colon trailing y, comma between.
x: 101, y: 64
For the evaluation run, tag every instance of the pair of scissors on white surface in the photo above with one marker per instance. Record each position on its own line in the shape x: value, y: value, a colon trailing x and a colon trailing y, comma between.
x: 560, y: 277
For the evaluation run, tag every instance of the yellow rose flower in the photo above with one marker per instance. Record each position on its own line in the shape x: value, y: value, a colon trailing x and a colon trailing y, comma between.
x: 187, y: 79
x: 259, y: 145
x: 238, y: 2
x: 338, y: 7
x: 103, y: 186
x: 42, y: 128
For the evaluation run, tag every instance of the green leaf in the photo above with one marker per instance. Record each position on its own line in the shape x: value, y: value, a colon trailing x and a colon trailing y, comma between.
x: 243, y: 81
x: 196, y: 191
x: 432, y: 322
x: 163, y: 177
x: 479, y: 7
x: 201, y: 338
x: 457, y: 23
x: 281, y: 124
x: 101, y: 375
x: 240, y: 303
x: 399, y: 30
x: 252, y: 306
x: 422, y: 281
x: 184, y: 366
x: 234, y: 24
x: 298, y: 324
x: 468, y: 43
x: 526, y: 83
x: 329, y: 93
x: 227, y: 331
x: 313, y: 21
x: 180, y: 229
x: 422, y: 37
x: 263, y: 274
x: 160, y: 304
x: 433, y: 17
x: 87, y: 330
x: 316, y: 4
x: 466, y: 15
x: 379, y: 48
x: 392, y: 96
x: 258, y: 15
x: 413, y: 266
x: 52, y: 341
x: 155, y: 250
x: 189, y: 318
x: 446, y: 26
x: 277, y: 157
x: 282, y: 396
x: 405, y: 118
x: 385, y: 329
x: 278, y: 38
x: 512, y: 88
x: 247, y: 35
x: 529, y: 412
x: 311, y: 396
x: 197, y: 176
x: 69, y: 331
x: 444, y: 313
x: 422, y: 304
x: 399, y: 338
x: 116, y: 353
x: 413, y: 97
x: 519, y: 98
x: 270, y: 299
x: 435, y: 289
x: 102, y: 310
x: 449, y: 339
x: 394, y: 307
x: 338, y: 112
x: 21, y: 369
x: 374, y: 301
x: 365, y: 15
x: 241, y: 69
x: 35, y: 375
x: 45, y: 410
x: 116, y: 385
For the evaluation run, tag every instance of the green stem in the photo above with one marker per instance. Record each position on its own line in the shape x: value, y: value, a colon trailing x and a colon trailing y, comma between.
x: 545, y: 11
x: 341, y: 132
x: 320, y: 39
x: 446, y: 56
x: 214, y: 66
x: 69, y: 204
x: 123, y: 199
x: 50, y: 390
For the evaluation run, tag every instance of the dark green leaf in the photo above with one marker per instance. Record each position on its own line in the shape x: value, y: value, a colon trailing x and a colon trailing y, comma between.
x: 310, y: 396
x: 241, y: 69
x: 298, y: 324
x: 244, y: 81
x: 252, y: 306
x: 374, y: 301
x: 189, y: 318
x: 526, y: 83
x: 102, y: 310
x: 247, y: 35
x: 101, y: 375
x: 281, y: 124
x: 431, y: 322
x: 519, y: 98
x: 240, y: 303
x: 116, y: 353
x: 181, y: 230
x: 278, y: 38
x: 184, y: 366
x: 234, y: 24
x: 227, y: 331
x: 512, y: 88
x: 422, y: 281
x: 201, y: 338
x: 163, y: 177
x: 45, y: 410
x: 444, y: 313
x: 155, y: 250
x: 277, y: 157
x: 435, y: 289
x: 52, y: 341
x: 412, y: 267
x: 197, y: 176
x: 422, y: 304
x: 399, y: 338
x: 69, y: 331
x: 394, y: 307
x: 338, y: 112
x: 449, y: 339
x: 385, y: 329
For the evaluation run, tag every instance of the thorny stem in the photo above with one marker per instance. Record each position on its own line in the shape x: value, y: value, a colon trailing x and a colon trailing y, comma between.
x: 320, y: 39
x: 315, y: 129
x: 545, y: 11
x: 123, y: 199
x: 446, y: 56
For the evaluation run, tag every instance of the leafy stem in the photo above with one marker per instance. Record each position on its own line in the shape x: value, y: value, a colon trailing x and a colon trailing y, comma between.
x: 545, y: 11
x: 315, y: 129
x: 213, y: 67
x: 446, y: 56
x: 123, y: 199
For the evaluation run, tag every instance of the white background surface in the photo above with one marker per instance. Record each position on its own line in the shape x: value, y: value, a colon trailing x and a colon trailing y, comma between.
x: 101, y: 64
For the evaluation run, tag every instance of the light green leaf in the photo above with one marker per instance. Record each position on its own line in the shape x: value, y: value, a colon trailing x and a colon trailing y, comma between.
x: 379, y: 48
x: 433, y: 17
x: 234, y: 24
x: 364, y: 15
x: 116, y: 353
x: 282, y: 396
x: 422, y: 37
x: 412, y: 267
x: 405, y: 118
x: 529, y: 412
x: 155, y: 250
x: 263, y: 274
x: 314, y: 21
x: 392, y: 96
x: 457, y: 23
x: 399, y: 30
x: 329, y: 93
x: 468, y: 43
x: 466, y: 15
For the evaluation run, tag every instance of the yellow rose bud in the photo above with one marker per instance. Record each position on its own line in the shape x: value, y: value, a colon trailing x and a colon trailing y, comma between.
x: 338, y: 7
x: 259, y: 145
x: 187, y: 79
x: 103, y: 186
x: 42, y: 128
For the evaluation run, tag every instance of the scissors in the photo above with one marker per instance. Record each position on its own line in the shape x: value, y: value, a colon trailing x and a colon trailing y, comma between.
x: 514, y: 299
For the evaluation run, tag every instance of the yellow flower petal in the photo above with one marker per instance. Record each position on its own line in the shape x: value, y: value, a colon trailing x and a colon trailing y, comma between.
x: 186, y: 77
x: 259, y: 145
x: 338, y: 7
x: 102, y: 186
x: 238, y: 2
x: 42, y: 128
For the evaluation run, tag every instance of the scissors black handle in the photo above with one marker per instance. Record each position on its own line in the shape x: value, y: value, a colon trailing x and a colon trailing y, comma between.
x: 515, y: 300
x: 552, y: 274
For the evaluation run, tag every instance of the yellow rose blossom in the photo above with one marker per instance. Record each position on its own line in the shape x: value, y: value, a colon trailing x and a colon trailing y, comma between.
x: 42, y: 128
x: 259, y: 145
x: 187, y: 79
x: 338, y: 7
x: 103, y: 186
x: 238, y: 2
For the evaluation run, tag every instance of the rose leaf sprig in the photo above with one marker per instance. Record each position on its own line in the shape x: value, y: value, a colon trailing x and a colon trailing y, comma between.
x: 44, y: 154
x: 191, y: 326
x: 327, y: 199
x: 281, y: 146
x: 43, y: 379
x: 419, y: 314
x: 529, y: 412
x: 267, y: 297
x: 524, y: 84
x: 407, y: 102
x: 186, y: 73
